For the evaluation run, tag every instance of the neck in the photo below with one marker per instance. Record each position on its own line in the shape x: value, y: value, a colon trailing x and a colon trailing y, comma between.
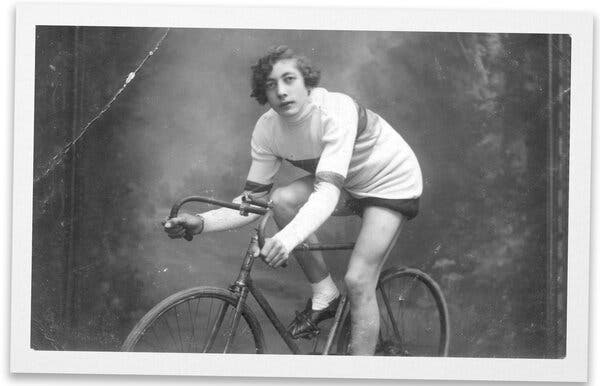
x: 300, y: 116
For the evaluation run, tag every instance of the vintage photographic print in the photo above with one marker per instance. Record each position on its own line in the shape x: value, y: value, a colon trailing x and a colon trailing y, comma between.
x: 370, y: 196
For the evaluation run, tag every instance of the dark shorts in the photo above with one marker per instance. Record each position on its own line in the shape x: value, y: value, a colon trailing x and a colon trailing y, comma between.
x: 349, y: 205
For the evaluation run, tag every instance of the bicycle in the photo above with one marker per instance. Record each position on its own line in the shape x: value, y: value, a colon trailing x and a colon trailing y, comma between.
x: 413, y: 318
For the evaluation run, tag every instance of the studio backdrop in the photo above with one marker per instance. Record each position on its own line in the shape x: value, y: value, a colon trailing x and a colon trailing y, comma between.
x: 129, y: 120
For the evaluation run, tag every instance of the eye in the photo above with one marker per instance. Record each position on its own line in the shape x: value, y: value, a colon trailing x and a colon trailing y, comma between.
x: 289, y: 79
x: 270, y: 85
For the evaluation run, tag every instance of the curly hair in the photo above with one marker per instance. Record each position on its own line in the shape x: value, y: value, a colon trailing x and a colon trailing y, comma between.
x: 262, y: 70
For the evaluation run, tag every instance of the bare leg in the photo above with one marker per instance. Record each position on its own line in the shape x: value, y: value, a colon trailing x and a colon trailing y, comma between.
x: 379, y: 232
x: 287, y: 201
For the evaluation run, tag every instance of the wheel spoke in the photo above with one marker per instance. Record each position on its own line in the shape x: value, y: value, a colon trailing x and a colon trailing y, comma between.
x: 193, y: 336
x: 166, y: 321
x: 209, y: 317
x: 157, y: 339
x: 194, y: 321
x: 178, y: 327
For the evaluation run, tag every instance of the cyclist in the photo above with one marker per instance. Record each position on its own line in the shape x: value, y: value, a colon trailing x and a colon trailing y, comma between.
x: 357, y: 163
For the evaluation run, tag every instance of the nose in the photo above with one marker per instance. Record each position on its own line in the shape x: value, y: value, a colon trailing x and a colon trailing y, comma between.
x: 281, y: 90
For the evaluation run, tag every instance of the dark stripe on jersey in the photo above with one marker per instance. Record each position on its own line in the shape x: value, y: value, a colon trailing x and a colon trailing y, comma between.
x: 331, y: 177
x: 362, y: 119
x: 310, y: 165
x: 255, y: 187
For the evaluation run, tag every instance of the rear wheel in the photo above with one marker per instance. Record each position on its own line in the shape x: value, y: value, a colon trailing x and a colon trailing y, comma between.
x: 196, y: 320
x: 413, y: 316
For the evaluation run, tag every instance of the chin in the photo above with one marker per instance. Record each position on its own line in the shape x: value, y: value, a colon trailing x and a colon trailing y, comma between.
x: 287, y: 113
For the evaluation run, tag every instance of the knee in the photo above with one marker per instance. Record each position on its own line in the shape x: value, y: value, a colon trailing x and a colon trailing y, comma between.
x: 360, y: 285
x: 284, y: 200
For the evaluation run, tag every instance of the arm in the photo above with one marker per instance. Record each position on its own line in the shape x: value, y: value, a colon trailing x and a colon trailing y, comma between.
x: 211, y: 221
x: 338, y: 136
x: 224, y: 219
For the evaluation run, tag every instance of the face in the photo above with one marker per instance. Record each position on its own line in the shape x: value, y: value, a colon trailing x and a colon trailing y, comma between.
x: 286, y: 92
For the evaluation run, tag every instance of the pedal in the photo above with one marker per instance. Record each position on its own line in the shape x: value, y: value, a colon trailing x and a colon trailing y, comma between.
x: 309, y: 335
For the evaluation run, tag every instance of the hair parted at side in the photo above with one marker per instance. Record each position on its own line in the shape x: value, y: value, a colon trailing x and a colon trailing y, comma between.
x: 262, y: 69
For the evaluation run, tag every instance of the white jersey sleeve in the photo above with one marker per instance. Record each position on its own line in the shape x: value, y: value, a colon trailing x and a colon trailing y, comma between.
x: 314, y: 212
x: 265, y: 163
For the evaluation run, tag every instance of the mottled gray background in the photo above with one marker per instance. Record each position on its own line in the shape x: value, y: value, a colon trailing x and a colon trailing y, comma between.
x: 486, y: 114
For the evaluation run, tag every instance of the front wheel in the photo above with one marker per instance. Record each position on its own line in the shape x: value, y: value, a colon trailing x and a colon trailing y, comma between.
x: 196, y: 320
x: 413, y: 317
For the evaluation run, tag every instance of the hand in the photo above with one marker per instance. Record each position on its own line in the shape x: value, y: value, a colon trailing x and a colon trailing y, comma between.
x: 274, y: 252
x: 176, y: 227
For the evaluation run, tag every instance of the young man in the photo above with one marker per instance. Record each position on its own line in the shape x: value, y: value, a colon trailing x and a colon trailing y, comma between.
x: 357, y: 163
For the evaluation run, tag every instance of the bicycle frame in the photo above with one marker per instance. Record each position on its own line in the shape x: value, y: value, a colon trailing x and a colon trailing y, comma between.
x: 244, y: 284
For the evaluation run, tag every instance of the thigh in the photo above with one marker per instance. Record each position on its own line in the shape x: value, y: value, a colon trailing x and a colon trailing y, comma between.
x: 378, y: 233
x: 297, y: 193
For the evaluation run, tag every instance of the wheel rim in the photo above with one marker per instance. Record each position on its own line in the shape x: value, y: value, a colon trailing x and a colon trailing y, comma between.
x: 198, y: 324
x: 412, y: 320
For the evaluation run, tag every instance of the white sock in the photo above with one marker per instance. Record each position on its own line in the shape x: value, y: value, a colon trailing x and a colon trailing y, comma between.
x: 323, y: 293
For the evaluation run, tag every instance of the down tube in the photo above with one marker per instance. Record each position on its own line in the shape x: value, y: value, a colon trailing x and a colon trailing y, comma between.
x: 266, y: 307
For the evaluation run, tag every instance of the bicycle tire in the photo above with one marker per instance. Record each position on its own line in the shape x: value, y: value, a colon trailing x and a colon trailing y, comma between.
x: 225, y: 301
x: 429, y: 313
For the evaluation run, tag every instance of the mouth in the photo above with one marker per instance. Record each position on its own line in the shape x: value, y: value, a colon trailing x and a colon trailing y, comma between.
x: 285, y: 105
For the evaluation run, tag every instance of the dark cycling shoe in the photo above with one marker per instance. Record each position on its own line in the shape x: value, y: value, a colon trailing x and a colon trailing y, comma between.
x: 305, y: 323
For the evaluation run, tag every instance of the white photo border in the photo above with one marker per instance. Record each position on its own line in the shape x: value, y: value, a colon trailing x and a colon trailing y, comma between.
x: 572, y: 368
